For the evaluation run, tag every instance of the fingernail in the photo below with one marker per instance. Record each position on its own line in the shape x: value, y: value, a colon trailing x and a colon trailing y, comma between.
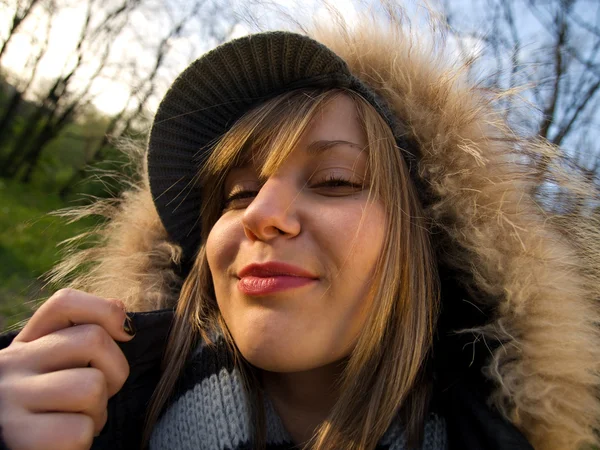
x: 120, y: 304
x: 128, y: 326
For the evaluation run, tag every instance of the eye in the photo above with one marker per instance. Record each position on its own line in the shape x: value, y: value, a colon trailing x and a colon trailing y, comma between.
x: 239, y: 199
x: 337, y: 182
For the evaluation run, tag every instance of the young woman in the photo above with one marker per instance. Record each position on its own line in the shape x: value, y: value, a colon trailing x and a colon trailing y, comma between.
x: 336, y: 246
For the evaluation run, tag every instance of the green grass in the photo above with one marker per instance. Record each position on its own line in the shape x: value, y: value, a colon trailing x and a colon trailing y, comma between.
x: 28, y: 247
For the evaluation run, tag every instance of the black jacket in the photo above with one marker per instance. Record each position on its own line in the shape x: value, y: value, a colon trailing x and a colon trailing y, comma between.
x: 471, y: 424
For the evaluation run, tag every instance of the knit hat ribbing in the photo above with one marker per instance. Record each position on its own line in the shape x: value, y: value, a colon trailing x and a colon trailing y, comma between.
x: 210, y: 95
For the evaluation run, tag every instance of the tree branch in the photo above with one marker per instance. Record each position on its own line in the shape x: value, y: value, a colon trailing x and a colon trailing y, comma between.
x: 557, y: 140
x: 550, y: 109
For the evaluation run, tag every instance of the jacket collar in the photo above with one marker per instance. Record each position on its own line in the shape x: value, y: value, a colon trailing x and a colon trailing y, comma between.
x: 152, y: 330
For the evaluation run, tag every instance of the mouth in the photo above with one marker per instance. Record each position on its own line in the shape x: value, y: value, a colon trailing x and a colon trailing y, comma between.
x: 271, y: 277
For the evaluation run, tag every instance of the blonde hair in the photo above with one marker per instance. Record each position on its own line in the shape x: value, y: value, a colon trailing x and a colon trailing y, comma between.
x: 391, y: 352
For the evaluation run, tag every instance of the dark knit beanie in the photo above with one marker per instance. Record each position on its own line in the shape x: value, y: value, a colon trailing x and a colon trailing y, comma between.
x: 215, y: 91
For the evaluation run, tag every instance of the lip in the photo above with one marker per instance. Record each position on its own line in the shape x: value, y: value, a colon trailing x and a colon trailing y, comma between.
x: 272, y: 269
x: 273, y: 276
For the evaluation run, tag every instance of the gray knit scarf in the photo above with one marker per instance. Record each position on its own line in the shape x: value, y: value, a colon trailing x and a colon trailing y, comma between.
x: 210, y: 411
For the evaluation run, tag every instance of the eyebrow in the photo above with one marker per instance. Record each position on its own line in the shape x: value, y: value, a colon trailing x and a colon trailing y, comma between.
x: 317, y: 147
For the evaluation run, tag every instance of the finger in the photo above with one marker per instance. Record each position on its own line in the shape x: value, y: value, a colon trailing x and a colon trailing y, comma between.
x: 79, y: 346
x: 68, y: 307
x: 49, y: 431
x: 81, y: 390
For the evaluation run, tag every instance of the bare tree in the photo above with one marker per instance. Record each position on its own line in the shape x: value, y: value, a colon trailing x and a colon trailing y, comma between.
x: 196, y: 26
x: 548, y: 51
x: 31, y: 66
x: 60, y: 104
x: 147, y: 86
x: 22, y: 9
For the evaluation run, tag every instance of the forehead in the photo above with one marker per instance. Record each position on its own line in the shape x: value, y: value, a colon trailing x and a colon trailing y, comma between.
x: 336, y: 123
x: 338, y: 120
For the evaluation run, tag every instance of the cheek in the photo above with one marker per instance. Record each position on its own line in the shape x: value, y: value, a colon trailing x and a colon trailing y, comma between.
x: 371, y: 237
x: 361, y: 248
x: 222, y: 247
x: 353, y: 239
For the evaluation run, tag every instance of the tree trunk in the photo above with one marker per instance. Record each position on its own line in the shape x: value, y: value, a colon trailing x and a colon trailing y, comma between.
x: 9, y: 114
x: 32, y: 157
x: 18, y: 153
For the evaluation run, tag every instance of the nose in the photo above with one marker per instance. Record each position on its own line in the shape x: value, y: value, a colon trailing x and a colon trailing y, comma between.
x: 273, y: 212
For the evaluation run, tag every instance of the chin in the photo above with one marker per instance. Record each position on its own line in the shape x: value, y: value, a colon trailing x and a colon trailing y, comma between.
x: 280, y: 355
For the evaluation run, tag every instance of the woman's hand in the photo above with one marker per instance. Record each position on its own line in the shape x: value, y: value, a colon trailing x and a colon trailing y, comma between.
x: 56, y: 378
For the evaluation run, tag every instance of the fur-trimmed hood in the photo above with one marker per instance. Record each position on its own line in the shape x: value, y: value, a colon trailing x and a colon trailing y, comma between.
x: 519, y: 281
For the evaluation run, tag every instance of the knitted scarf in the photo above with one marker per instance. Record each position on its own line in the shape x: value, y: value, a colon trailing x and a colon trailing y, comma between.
x: 210, y: 411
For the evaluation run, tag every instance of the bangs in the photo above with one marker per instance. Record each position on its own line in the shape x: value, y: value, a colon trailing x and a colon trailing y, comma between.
x: 266, y: 135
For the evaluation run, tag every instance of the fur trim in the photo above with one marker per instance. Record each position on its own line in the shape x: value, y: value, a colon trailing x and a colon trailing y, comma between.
x: 521, y: 265
x: 538, y: 271
x: 132, y: 258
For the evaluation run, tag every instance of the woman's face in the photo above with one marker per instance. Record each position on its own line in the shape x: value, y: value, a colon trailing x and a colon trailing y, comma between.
x: 292, y: 259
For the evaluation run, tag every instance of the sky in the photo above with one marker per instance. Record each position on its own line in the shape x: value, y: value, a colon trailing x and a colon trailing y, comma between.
x: 111, y: 91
